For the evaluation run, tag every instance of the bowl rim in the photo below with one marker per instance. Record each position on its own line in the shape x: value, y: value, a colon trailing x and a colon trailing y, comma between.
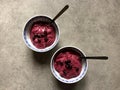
x: 59, y: 78
x: 36, y: 49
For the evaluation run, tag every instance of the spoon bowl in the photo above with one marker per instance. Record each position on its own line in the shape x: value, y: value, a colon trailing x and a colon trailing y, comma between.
x: 27, y: 29
x: 83, y: 69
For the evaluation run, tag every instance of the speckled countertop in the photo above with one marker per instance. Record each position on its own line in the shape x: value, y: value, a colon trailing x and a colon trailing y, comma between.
x: 91, y: 25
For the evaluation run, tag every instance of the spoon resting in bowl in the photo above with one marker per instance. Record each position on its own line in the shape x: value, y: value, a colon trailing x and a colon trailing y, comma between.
x: 96, y: 57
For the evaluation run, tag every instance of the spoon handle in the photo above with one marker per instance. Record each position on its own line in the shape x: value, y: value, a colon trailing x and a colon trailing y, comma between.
x: 96, y: 57
x: 61, y: 12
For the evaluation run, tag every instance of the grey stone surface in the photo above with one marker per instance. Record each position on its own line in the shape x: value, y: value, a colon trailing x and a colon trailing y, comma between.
x: 91, y: 25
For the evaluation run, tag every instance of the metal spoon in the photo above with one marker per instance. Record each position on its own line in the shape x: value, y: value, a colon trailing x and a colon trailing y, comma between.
x: 61, y: 12
x: 96, y: 57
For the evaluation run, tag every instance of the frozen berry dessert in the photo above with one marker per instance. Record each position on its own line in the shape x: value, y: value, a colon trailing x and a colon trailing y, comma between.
x: 68, y: 64
x: 42, y: 35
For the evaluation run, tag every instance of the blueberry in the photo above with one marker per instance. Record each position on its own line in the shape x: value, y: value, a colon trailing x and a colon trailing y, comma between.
x: 46, y: 39
x: 45, y: 33
x: 36, y: 36
x: 68, y: 66
x: 42, y: 35
x: 77, y: 69
x: 39, y: 41
x: 67, y: 61
x: 64, y: 72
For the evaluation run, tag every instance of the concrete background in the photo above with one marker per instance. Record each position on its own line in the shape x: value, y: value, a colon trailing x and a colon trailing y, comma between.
x: 91, y: 25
